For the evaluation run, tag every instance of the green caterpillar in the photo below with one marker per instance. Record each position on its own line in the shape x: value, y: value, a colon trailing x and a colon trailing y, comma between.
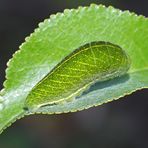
x: 92, y: 62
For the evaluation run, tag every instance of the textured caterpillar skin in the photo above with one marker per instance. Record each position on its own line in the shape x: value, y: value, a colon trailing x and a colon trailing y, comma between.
x: 95, y: 61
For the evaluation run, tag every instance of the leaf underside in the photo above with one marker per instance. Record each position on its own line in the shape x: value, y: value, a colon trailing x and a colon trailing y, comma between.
x: 59, y: 36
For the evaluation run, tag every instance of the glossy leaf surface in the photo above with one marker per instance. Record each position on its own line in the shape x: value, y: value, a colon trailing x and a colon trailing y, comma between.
x: 59, y: 36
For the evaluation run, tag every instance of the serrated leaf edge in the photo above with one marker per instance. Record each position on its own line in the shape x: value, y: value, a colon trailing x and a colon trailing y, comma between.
x: 60, y: 15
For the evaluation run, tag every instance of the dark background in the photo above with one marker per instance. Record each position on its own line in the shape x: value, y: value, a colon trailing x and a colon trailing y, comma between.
x: 122, y: 123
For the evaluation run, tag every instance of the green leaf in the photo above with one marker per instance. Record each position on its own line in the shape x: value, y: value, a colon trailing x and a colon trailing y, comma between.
x: 59, y: 36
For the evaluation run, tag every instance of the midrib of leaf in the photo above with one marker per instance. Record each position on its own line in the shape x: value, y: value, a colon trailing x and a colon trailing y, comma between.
x: 139, y: 70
